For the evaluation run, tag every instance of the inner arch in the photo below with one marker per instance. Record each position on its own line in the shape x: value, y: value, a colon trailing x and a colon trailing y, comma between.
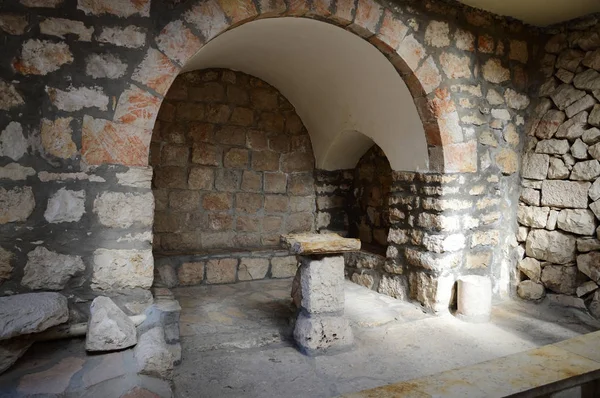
x: 338, y: 83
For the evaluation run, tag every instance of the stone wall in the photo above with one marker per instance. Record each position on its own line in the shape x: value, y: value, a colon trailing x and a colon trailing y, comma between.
x: 84, y: 233
x: 368, y: 210
x: 333, y: 190
x: 228, y: 267
x: 233, y: 165
x: 559, y: 204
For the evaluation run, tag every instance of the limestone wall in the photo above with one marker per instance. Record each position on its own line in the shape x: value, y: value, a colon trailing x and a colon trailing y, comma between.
x: 368, y: 210
x: 559, y: 203
x: 233, y: 165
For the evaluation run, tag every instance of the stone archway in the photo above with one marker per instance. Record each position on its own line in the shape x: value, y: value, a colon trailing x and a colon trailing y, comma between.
x: 125, y: 139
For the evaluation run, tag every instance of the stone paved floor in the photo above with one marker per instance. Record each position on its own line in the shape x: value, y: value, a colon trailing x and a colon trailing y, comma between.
x: 236, y: 341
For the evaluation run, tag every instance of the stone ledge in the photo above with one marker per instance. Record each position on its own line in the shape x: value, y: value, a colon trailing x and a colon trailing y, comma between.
x: 319, y: 244
x: 545, y: 370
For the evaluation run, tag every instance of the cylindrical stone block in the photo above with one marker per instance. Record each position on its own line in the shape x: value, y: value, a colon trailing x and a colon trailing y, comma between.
x: 474, y: 298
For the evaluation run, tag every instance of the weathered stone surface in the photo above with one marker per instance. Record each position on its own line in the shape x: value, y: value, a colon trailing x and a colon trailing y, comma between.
x: 560, y: 279
x: 57, y: 137
x: 12, y: 142
x: 594, y: 150
x: 565, y: 95
x: 552, y: 220
x: 322, y: 284
x: 433, y: 293
x: 104, y: 142
x: 109, y: 66
x: 516, y: 100
x: 253, y: 268
x: 283, y: 267
x: 557, y: 170
x: 5, y: 265
x: 306, y: 244
x: 221, y: 270
x: 178, y: 42
x: 530, y: 267
x: 122, y: 210
x: 535, y: 166
x: 437, y: 34
x: 156, y: 71
x: 9, y: 97
x: 318, y: 333
x: 508, y: 161
x: 129, y: 36
x: 15, y: 172
x: 454, y: 66
x: 74, y: 99
x: 589, y: 264
x: 594, y: 191
x: 591, y: 136
x: 122, y: 269
x: 31, y: 313
x: 16, y: 204
x: 592, y: 60
x: 11, y: 351
x: 586, y: 171
x: 594, y: 118
x: 587, y: 244
x: 579, y: 149
x: 65, y: 206
x: 137, y: 177
x: 565, y: 193
x: 581, y: 105
x: 138, y: 107
x: 530, y: 196
x: 552, y: 147
x: 188, y: 273
x: 153, y: 355
x: 577, y: 221
x: 529, y: 290
x: 121, y: 9
x: 367, y: 281
x: 586, y: 288
x: 42, y: 3
x: 594, y: 306
x: 60, y: 27
x: 549, y: 123
x: 569, y: 59
x: 595, y: 207
x: 553, y: 246
x: 109, y: 328
x: 13, y: 24
x: 587, y: 80
x: 48, y: 270
x: 40, y: 57
x: 532, y: 216
x: 494, y: 72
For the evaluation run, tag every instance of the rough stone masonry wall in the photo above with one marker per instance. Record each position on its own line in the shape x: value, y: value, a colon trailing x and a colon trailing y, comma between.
x: 560, y: 198
x: 368, y: 212
x: 81, y: 82
x: 442, y: 227
x: 233, y: 165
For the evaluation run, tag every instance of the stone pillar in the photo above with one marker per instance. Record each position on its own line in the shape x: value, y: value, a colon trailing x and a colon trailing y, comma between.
x: 474, y: 298
x: 318, y: 292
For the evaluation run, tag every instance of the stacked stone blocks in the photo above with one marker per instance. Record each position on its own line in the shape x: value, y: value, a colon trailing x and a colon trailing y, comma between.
x: 230, y: 267
x: 560, y: 206
x: 233, y: 165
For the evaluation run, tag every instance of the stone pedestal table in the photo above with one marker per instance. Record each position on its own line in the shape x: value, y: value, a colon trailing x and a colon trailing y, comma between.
x: 318, y: 291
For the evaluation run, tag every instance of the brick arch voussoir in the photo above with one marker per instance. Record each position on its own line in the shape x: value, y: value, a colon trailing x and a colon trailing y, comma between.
x: 179, y: 40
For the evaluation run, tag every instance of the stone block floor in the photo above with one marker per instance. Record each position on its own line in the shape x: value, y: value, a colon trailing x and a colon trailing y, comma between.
x: 236, y: 341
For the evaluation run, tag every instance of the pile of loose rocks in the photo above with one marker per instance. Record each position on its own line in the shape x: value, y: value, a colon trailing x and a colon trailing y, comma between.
x: 27, y: 318
x: 560, y: 199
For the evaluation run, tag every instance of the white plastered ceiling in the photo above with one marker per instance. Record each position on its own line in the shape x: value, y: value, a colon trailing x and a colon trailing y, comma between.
x: 345, y: 91
x: 538, y: 12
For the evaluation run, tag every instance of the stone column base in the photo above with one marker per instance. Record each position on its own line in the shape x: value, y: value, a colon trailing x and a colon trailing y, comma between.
x: 318, y: 334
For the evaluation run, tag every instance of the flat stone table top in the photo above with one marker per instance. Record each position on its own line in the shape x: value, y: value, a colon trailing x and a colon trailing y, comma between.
x: 308, y: 243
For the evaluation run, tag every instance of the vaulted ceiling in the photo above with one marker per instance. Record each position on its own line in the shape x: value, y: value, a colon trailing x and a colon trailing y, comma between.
x: 538, y: 12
